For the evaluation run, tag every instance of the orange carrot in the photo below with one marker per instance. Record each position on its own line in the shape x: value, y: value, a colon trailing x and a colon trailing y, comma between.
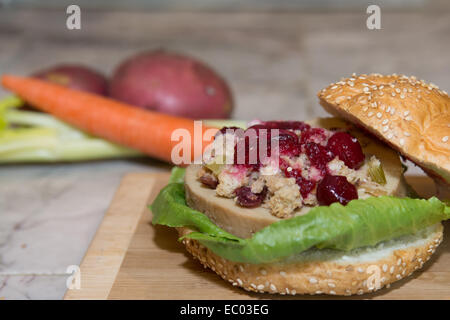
x: 147, y: 131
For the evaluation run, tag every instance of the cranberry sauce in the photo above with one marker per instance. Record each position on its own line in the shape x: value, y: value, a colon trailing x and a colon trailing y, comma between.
x: 295, y: 138
x: 335, y: 189
x: 347, y: 149
x: 246, y: 198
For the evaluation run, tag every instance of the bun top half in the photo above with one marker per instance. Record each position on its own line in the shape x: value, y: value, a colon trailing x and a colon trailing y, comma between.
x: 410, y: 115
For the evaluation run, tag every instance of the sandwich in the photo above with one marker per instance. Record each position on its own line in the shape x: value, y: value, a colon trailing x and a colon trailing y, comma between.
x: 320, y: 206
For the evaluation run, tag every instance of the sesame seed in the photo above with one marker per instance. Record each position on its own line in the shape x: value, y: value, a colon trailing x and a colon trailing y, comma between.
x: 241, y: 268
x: 385, y: 121
x: 272, y: 287
x: 331, y: 285
x: 312, y: 280
x: 360, y: 270
x: 370, y: 114
x: 385, y: 267
x: 390, y: 135
x: 260, y: 287
x: 393, y: 94
x: 398, y: 277
x: 293, y: 292
x: 253, y: 285
x: 391, y: 271
x: 408, y: 118
x: 402, y: 141
x: 385, y: 128
x: 289, y: 169
x: 263, y: 272
x: 407, y: 134
x: 365, y: 108
x: 332, y: 292
x: 318, y: 292
x: 283, y: 274
x: 360, y: 292
x: 402, y: 96
x: 239, y: 281
x: 397, y: 90
x: 333, y: 87
x: 406, y: 113
x: 287, y: 290
x: 379, y: 115
x: 399, y: 261
x: 445, y: 139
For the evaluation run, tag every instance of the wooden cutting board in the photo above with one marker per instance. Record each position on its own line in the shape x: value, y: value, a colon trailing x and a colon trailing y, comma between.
x: 131, y: 259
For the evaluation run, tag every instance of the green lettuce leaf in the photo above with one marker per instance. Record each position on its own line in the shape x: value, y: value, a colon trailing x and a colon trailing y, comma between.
x: 360, y: 223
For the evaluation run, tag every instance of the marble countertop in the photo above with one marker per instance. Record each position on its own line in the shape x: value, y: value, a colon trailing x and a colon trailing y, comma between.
x: 275, y: 63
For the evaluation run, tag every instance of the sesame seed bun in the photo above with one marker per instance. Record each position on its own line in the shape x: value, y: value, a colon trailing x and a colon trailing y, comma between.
x: 410, y: 115
x: 327, y: 271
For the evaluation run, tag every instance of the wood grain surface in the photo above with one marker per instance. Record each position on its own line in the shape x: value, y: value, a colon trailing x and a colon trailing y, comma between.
x: 131, y: 259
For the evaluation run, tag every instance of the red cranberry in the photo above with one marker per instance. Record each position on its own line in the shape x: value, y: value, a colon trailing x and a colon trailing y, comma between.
x: 287, y: 125
x: 288, y: 143
x: 246, y: 198
x: 318, y: 155
x: 335, y: 189
x: 209, y: 180
x: 306, y: 186
x: 315, y: 135
x: 347, y: 148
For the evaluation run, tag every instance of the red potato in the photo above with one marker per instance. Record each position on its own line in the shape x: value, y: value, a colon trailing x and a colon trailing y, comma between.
x: 173, y: 84
x: 76, y: 77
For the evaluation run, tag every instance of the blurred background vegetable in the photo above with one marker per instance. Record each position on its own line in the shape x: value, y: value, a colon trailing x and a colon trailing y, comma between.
x: 76, y: 77
x: 172, y: 83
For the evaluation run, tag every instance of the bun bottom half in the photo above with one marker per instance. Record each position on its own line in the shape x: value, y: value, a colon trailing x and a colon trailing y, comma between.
x: 326, y: 271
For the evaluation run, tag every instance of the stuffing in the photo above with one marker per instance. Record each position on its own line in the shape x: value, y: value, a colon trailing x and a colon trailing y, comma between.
x: 284, y: 201
x: 230, y: 179
x: 284, y: 197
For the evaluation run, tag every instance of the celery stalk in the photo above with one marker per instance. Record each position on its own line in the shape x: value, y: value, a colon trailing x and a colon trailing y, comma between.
x: 27, y: 136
